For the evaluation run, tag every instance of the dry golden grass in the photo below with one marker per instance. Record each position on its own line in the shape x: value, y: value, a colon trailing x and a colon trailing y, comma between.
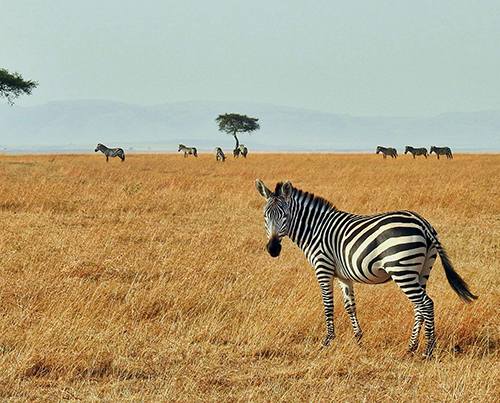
x: 149, y: 280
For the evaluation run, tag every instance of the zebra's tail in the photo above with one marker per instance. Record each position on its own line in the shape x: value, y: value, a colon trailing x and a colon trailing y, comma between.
x: 456, y: 282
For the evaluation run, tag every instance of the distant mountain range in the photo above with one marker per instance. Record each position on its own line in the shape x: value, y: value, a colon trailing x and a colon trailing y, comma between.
x: 79, y: 125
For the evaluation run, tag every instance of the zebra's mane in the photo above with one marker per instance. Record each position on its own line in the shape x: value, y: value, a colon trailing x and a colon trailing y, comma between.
x: 316, y: 201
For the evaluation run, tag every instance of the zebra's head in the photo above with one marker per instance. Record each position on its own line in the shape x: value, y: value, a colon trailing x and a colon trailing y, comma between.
x: 379, y: 149
x: 433, y: 149
x: 98, y: 147
x: 407, y: 149
x: 276, y: 214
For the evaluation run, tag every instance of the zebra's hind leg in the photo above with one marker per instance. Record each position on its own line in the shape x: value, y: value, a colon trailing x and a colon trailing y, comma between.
x: 417, y: 325
x: 350, y: 307
x: 427, y: 310
x: 409, y: 282
x: 422, y: 281
x: 428, y: 304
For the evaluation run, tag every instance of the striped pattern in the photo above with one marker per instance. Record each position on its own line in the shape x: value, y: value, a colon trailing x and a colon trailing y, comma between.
x: 416, y: 151
x: 219, y: 154
x: 387, y: 151
x: 243, y: 150
x: 240, y: 150
x: 442, y: 151
x: 187, y: 150
x: 399, y: 246
x: 110, y: 152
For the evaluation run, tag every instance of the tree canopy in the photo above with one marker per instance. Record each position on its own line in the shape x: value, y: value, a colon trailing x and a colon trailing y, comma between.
x: 12, y: 85
x: 234, y: 123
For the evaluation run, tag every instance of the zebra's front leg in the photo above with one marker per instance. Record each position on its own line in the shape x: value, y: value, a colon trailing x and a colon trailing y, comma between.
x: 350, y: 307
x: 327, y: 295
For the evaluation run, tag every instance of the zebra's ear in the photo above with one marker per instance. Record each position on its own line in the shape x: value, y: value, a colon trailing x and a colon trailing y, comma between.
x: 262, y: 189
x: 286, y: 189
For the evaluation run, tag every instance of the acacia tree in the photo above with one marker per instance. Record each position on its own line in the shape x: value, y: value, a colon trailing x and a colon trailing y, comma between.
x: 234, y: 123
x: 13, y: 85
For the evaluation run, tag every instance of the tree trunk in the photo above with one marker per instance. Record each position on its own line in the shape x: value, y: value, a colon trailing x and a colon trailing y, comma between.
x: 237, y: 141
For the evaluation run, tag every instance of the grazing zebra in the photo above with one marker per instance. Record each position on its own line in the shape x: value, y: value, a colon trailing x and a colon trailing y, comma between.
x: 110, y: 152
x: 442, y: 151
x: 387, y: 151
x: 243, y: 150
x: 187, y: 150
x: 399, y: 245
x: 240, y: 150
x: 219, y: 154
x: 416, y: 151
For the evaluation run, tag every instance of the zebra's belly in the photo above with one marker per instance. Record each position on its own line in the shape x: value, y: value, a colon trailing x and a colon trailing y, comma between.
x: 375, y: 276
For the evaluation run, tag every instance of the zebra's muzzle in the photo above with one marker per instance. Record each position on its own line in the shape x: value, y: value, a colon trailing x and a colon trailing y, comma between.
x: 274, y: 247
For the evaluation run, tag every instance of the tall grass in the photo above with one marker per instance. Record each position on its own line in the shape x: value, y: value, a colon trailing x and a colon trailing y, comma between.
x: 149, y: 280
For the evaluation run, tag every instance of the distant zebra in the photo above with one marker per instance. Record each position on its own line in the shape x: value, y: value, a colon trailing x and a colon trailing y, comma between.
x: 243, y: 150
x: 110, y: 152
x: 219, y: 154
x: 387, y: 151
x: 187, y: 150
x: 416, y: 151
x: 240, y: 150
x: 442, y: 151
x: 399, y: 245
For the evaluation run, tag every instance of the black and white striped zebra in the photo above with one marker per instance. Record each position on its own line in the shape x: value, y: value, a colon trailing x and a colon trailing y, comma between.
x: 240, y: 150
x: 243, y: 150
x: 416, y: 151
x: 442, y: 151
x: 219, y: 154
x: 110, y: 152
x: 387, y: 151
x: 188, y: 150
x: 399, y: 246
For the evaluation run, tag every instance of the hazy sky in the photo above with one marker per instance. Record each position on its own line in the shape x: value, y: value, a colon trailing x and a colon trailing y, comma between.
x: 358, y: 57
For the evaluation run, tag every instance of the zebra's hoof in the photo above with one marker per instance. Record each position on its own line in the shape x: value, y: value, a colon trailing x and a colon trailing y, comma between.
x: 429, y: 349
x: 328, y: 340
x: 411, y: 349
x: 427, y: 356
x: 358, y: 337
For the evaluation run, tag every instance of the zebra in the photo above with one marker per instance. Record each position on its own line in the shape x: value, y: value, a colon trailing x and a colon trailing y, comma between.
x: 400, y: 246
x: 243, y: 150
x: 416, y: 151
x: 110, y: 152
x: 240, y: 150
x: 188, y: 150
x: 219, y: 154
x: 387, y: 151
x: 442, y: 151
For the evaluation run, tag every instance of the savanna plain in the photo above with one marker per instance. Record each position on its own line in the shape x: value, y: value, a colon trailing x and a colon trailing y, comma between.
x: 149, y: 280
